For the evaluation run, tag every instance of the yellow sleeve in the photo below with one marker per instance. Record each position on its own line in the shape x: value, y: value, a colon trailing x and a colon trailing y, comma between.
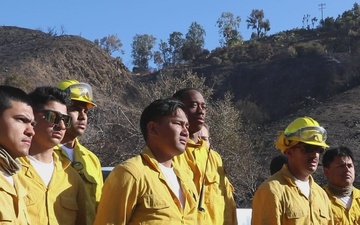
x: 100, y: 184
x: 266, y: 208
x: 118, y: 199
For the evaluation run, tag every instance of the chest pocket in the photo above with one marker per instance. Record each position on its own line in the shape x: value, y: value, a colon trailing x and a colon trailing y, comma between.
x: 5, y: 217
x: 295, y: 213
x: 29, y: 200
x: 214, y: 190
x: 155, y: 201
x: 324, y: 213
x: 69, y: 203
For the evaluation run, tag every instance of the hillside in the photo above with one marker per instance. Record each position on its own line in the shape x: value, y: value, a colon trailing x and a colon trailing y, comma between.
x: 324, y: 86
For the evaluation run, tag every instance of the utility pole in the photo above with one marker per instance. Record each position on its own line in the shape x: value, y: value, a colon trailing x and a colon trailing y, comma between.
x: 322, y: 7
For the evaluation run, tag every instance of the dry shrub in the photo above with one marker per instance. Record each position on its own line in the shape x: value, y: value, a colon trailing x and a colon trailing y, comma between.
x: 309, y: 49
x: 17, y: 80
x: 260, y: 51
x: 230, y: 137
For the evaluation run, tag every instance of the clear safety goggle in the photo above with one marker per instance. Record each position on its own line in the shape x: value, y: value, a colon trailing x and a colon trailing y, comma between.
x: 81, y: 90
x: 318, y: 134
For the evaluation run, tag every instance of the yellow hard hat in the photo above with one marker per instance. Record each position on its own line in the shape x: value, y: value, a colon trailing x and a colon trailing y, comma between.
x: 78, y: 91
x: 302, y: 129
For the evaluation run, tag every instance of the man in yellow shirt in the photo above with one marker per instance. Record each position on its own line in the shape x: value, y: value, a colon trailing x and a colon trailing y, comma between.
x: 56, y: 193
x: 291, y: 196
x: 216, y: 204
x: 338, y: 166
x: 83, y: 160
x: 16, y: 132
x: 148, y: 188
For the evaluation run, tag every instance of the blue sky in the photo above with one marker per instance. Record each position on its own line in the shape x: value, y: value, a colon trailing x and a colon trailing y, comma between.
x: 96, y: 19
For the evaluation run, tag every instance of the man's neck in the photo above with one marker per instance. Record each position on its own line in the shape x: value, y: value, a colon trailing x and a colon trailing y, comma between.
x: 194, y: 137
x: 43, y: 156
x: 297, y: 174
x: 167, y: 163
x: 68, y: 142
x: 340, y: 191
x: 160, y: 155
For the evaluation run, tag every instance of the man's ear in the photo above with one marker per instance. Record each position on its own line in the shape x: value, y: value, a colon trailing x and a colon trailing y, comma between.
x: 326, y: 172
x: 288, y: 152
x: 151, y: 128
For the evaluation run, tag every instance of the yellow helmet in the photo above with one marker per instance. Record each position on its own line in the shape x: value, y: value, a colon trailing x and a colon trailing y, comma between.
x: 302, y: 129
x: 78, y: 91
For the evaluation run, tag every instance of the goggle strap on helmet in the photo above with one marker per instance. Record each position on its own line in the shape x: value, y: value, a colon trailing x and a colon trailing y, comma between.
x: 310, y: 133
x: 81, y: 90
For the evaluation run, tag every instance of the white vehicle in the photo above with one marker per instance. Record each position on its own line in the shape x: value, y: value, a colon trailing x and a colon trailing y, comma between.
x: 106, y: 171
x: 243, y: 216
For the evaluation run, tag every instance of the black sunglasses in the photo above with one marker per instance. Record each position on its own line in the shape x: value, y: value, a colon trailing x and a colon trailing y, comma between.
x: 56, y: 117
x: 308, y: 149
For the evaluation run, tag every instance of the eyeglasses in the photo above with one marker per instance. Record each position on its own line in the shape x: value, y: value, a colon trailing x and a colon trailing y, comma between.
x: 318, y: 134
x: 81, y: 90
x: 56, y: 117
x: 308, y: 149
x: 206, y: 138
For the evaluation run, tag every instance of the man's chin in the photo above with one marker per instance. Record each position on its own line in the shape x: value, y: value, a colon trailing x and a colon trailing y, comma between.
x: 312, y: 169
x: 80, y: 132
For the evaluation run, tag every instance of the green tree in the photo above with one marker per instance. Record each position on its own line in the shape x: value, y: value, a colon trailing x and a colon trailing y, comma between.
x: 349, y: 24
x: 110, y: 44
x: 163, y: 56
x: 229, y: 29
x: 194, y: 41
x: 141, y: 52
x: 158, y: 60
x: 257, y: 22
x: 305, y: 22
x: 176, y: 42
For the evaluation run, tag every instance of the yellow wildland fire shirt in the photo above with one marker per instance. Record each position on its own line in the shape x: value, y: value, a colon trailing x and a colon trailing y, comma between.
x: 90, y: 173
x: 62, y: 202
x: 279, y: 201
x: 342, y: 215
x: 218, y: 201
x: 12, y: 205
x: 136, y: 192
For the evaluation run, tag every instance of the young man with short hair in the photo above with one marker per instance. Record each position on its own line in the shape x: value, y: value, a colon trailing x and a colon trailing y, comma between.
x: 216, y: 204
x: 56, y: 193
x: 149, y: 188
x: 16, y: 132
x: 338, y: 167
x: 84, y: 161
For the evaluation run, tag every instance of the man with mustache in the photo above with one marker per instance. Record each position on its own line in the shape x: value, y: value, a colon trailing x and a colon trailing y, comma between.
x: 16, y: 131
x: 216, y: 204
x: 338, y: 167
x: 291, y: 196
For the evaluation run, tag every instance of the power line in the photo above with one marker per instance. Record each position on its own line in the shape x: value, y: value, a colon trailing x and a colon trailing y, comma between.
x: 322, y: 7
